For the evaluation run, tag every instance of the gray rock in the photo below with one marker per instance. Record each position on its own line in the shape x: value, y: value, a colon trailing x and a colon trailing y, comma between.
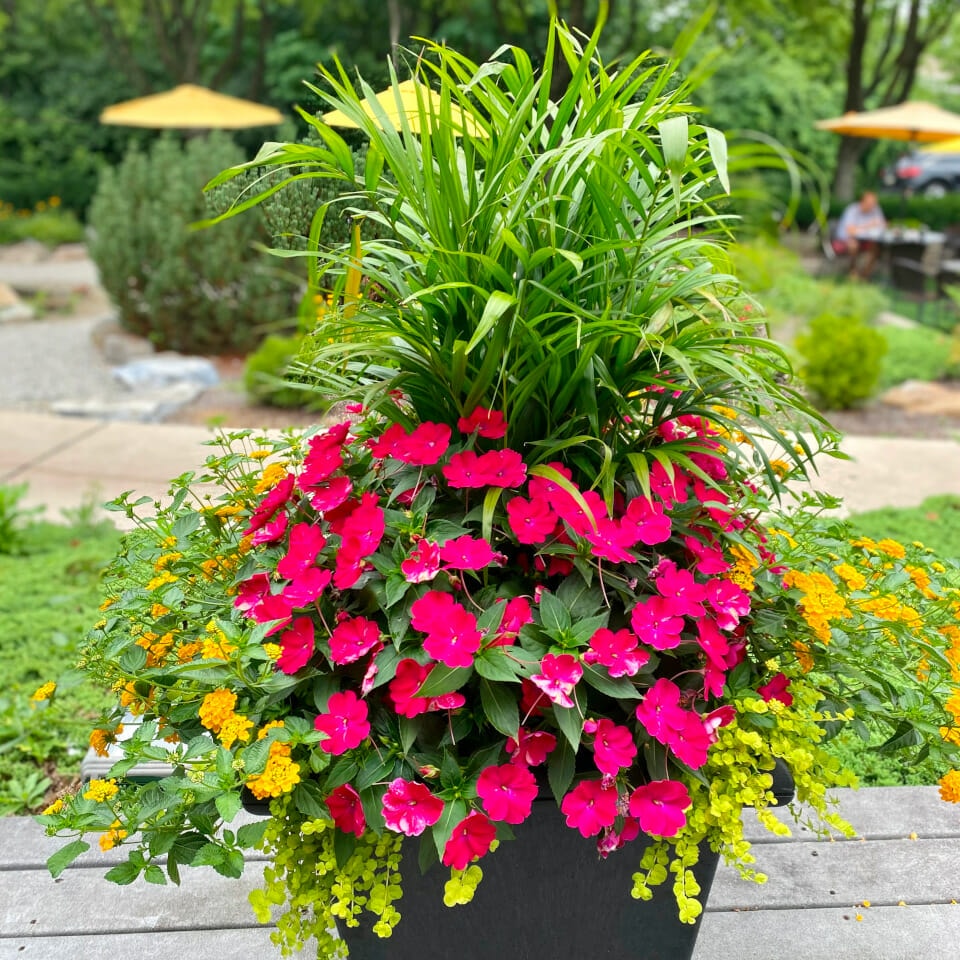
x: 166, y: 369
x: 147, y: 406
x: 119, y: 346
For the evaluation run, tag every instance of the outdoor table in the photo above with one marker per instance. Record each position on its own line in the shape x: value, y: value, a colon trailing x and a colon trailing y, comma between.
x: 919, y: 244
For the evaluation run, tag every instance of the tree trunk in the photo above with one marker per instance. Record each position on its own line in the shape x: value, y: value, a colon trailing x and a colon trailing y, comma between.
x: 845, y: 179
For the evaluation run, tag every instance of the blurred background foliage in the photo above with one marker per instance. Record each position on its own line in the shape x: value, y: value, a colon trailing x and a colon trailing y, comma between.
x: 771, y: 65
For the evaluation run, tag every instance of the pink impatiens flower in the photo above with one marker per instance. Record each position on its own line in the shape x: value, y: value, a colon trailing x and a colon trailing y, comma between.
x: 306, y: 587
x: 729, y: 601
x: 271, y: 503
x: 617, y: 651
x: 452, y: 634
x: 531, y: 749
x: 660, y: 807
x: 409, y: 807
x: 532, y: 521
x: 296, y: 645
x: 507, y: 792
x: 691, y: 740
x: 613, y: 746
x: 516, y: 615
x: 657, y: 622
x: 777, y: 689
x: 648, y: 520
x: 660, y: 711
x: 468, y: 553
x: 590, y: 806
x: 306, y: 541
x: 611, y: 541
x: 270, y: 531
x: 423, y: 564
x: 352, y: 638
x: 403, y: 688
x: 424, y: 446
x: 471, y: 838
x: 558, y: 676
x: 708, y: 557
x: 486, y: 423
x: 346, y: 810
x: 686, y: 596
x: 330, y: 495
x: 498, y: 468
x: 581, y: 521
x: 345, y: 723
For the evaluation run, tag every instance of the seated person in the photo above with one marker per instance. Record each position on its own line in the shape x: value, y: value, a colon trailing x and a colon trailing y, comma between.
x: 861, y: 217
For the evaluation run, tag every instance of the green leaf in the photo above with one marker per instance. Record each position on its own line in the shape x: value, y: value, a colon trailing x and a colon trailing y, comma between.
x: 186, y: 524
x: 619, y: 687
x: 255, y: 757
x: 583, y: 630
x: 427, y: 856
x: 396, y: 588
x: 343, y: 771
x: 500, y: 707
x: 154, y: 874
x: 228, y: 805
x: 498, y: 303
x: 453, y: 812
x: 373, y: 771
x: 560, y: 768
x: 444, y: 679
x: 250, y: 835
x: 308, y: 799
x: 123, y: 873
x: 62, y: 859
x: 553, y: 615
x: 209, y: 855
x: 570, y: 722
x: 343, y: 846
x: 495, y: 664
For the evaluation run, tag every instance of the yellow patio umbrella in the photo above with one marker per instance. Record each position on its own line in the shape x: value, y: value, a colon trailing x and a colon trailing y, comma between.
x: 411, y: 94
x: 914, y: 120
x: 944, y: 146
x: 189, y: 107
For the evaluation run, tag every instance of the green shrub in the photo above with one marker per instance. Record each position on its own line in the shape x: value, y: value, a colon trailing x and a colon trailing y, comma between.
x: 265, y: 369
x: 196, y: 291
x: 776, y: 276
x: 49, y: 225
x: 916, y: 353
x: 843, y: 359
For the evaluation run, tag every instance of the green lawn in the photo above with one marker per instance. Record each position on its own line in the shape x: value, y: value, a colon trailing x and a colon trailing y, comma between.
x: 49, y: 597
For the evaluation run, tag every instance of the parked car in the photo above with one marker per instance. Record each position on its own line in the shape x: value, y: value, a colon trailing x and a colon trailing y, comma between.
x: 928, y: 173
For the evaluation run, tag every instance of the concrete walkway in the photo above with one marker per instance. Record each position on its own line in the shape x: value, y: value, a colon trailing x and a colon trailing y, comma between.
x: 71, y: 461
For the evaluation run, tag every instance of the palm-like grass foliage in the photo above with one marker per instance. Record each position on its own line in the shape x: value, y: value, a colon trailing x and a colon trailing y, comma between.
x: 562, y: 263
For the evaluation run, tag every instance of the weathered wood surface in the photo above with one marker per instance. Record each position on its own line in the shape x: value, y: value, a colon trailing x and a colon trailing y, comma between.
x: 903, y: 863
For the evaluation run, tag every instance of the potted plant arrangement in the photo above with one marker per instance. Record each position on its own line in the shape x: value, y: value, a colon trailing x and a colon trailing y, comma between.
x: 534, y: 599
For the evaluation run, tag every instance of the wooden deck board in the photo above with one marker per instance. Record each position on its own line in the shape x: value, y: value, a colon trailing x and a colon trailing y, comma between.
x: 807, y: 911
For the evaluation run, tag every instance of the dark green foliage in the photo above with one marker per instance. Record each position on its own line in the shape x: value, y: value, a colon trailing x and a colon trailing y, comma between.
x: 935, y: 523
x: 843, y: 358
x: 876, y: 769
x: 935, y: 213
x: 196, y: 291
x: 265, y: 370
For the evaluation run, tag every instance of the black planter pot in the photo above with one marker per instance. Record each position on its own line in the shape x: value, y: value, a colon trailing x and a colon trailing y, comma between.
x: 545, y: 894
